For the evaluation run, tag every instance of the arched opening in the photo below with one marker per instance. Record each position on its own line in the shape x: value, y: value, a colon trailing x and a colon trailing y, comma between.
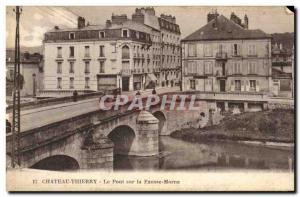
x: 57, y: 163
x: 122, y: 137
x: 162, y: 121
x: 125, y: 52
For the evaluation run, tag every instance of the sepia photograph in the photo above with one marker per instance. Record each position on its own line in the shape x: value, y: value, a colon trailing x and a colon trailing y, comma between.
x: 150, y: 98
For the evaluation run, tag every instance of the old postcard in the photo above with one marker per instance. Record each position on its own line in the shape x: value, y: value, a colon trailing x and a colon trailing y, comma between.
x: 155, y: 98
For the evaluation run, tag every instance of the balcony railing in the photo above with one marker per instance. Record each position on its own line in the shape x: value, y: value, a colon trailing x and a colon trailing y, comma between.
x: 231, y: 96
x: 126, y: 71
x: 222, y: 73
x: 221, y: 56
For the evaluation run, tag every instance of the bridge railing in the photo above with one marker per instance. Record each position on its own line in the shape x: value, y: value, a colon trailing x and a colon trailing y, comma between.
x: 55, y: 101
x: 243, y: 96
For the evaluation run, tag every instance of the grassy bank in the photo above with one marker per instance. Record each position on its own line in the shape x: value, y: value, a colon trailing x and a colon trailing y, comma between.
x: 274, y: 125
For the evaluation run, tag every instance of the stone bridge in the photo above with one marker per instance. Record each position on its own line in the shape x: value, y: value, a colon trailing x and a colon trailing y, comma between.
x: 80, y: 135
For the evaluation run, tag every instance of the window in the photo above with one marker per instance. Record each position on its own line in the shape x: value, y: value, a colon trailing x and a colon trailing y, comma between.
x: 71, y: 83
x: 87, y: 80
x: 252, y: 50
x: 101, y: 51
x: 252, y: 85
x: 102, y: 69
x: 71, y: 36
x: 71, y: 67
x: 101, y: 34
x: 59, y: 67
x: 252, y: 68
x: 125, y: 33
x: 192, y: 50
x: 208, y: 84
x: 59, y: 83
x: 126, y: 52
x: 192, y: 84
x: 87, y: 51
x: 59, y: 52
x: 87, y: 67
x: 71, y: 51
x: 235, y: 49
x: 114, y: 47
x: 207, y: 50
x: 237, y: 68
x: 237, y: 85
x: 208, y: 67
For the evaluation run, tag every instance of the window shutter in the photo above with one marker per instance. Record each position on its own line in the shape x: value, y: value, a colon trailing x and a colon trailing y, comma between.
x: 247, y: 85
x: 232, y: 85
x: 257, y: 86
x: 239, y: 52
x: 232, y: 49
x: 242, y: 85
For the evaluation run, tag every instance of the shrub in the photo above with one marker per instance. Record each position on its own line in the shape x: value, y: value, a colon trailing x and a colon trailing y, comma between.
x: 267, y: 126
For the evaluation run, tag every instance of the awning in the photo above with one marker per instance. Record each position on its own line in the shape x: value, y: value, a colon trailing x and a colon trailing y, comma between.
x: 151, y: 77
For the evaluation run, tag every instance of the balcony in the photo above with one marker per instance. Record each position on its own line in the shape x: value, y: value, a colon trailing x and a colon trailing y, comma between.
x: 126, y: 72
x: 221, y: 74
x: 221, y: 56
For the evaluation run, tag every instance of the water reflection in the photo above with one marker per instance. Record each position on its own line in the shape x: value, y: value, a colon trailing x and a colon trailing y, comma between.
x: 178, y: 154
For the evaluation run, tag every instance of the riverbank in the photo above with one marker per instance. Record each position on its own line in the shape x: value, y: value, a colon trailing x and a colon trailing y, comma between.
x: 273, y: 126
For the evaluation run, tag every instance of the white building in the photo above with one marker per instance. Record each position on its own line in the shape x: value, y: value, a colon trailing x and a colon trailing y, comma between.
x: 123, y: 53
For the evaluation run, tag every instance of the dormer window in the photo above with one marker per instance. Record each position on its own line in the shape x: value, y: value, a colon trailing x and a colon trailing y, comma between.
x: 101, y: 34
x: 125, y: 33
x: 72, y: 36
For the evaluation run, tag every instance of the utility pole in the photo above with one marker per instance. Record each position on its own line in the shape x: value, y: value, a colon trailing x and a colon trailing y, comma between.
x: 16, y: 96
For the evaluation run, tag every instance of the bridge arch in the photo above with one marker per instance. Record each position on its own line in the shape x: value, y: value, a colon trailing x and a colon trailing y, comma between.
x: 162, y: 125
x: 57, y: 163
x: 123, y: 137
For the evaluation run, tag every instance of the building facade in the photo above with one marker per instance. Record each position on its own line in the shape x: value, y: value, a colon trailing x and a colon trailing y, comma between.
x: 31, y: 70
x: 124, y: 53
x: 225, y: 56
x: 282, y: 69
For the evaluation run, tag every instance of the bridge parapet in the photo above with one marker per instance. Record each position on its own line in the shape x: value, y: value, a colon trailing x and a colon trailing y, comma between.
x: 54, y: 101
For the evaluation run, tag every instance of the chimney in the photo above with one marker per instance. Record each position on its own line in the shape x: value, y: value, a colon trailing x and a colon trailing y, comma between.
x: 80, y: 22
x: 211, y: 16
x: 246, y: 21
x: 118, y: 18
x: 108, y: 23
x: 235, y: 19
x: 138, y: 17
x: 26, y: 55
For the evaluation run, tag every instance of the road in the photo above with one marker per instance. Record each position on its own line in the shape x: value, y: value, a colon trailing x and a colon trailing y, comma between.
x: 35, y: 118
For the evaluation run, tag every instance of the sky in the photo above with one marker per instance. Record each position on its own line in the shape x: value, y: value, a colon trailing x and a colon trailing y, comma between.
x: 36, y: 20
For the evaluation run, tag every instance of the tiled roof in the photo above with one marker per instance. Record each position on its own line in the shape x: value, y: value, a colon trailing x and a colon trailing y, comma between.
x: 127, y: 24
x: 222, y: 28
x: 25, y: 57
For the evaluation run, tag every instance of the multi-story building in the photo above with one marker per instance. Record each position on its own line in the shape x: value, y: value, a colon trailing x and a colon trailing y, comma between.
x: 282, y: 69
x: 225, y: 56
x: 166, y: 46
x: 31, y: 70
x: 281, y: 58
x: 124, y: 53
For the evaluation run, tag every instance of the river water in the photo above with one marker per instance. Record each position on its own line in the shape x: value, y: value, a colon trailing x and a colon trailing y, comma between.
x: 176, y: 154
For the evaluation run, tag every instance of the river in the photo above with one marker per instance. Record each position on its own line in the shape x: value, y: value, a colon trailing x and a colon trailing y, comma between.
x: 177, y: 154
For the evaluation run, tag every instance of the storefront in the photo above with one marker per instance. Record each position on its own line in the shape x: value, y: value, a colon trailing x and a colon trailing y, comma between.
x: 151, y: 81
x: 137, y: 82
x: 107, y: 82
